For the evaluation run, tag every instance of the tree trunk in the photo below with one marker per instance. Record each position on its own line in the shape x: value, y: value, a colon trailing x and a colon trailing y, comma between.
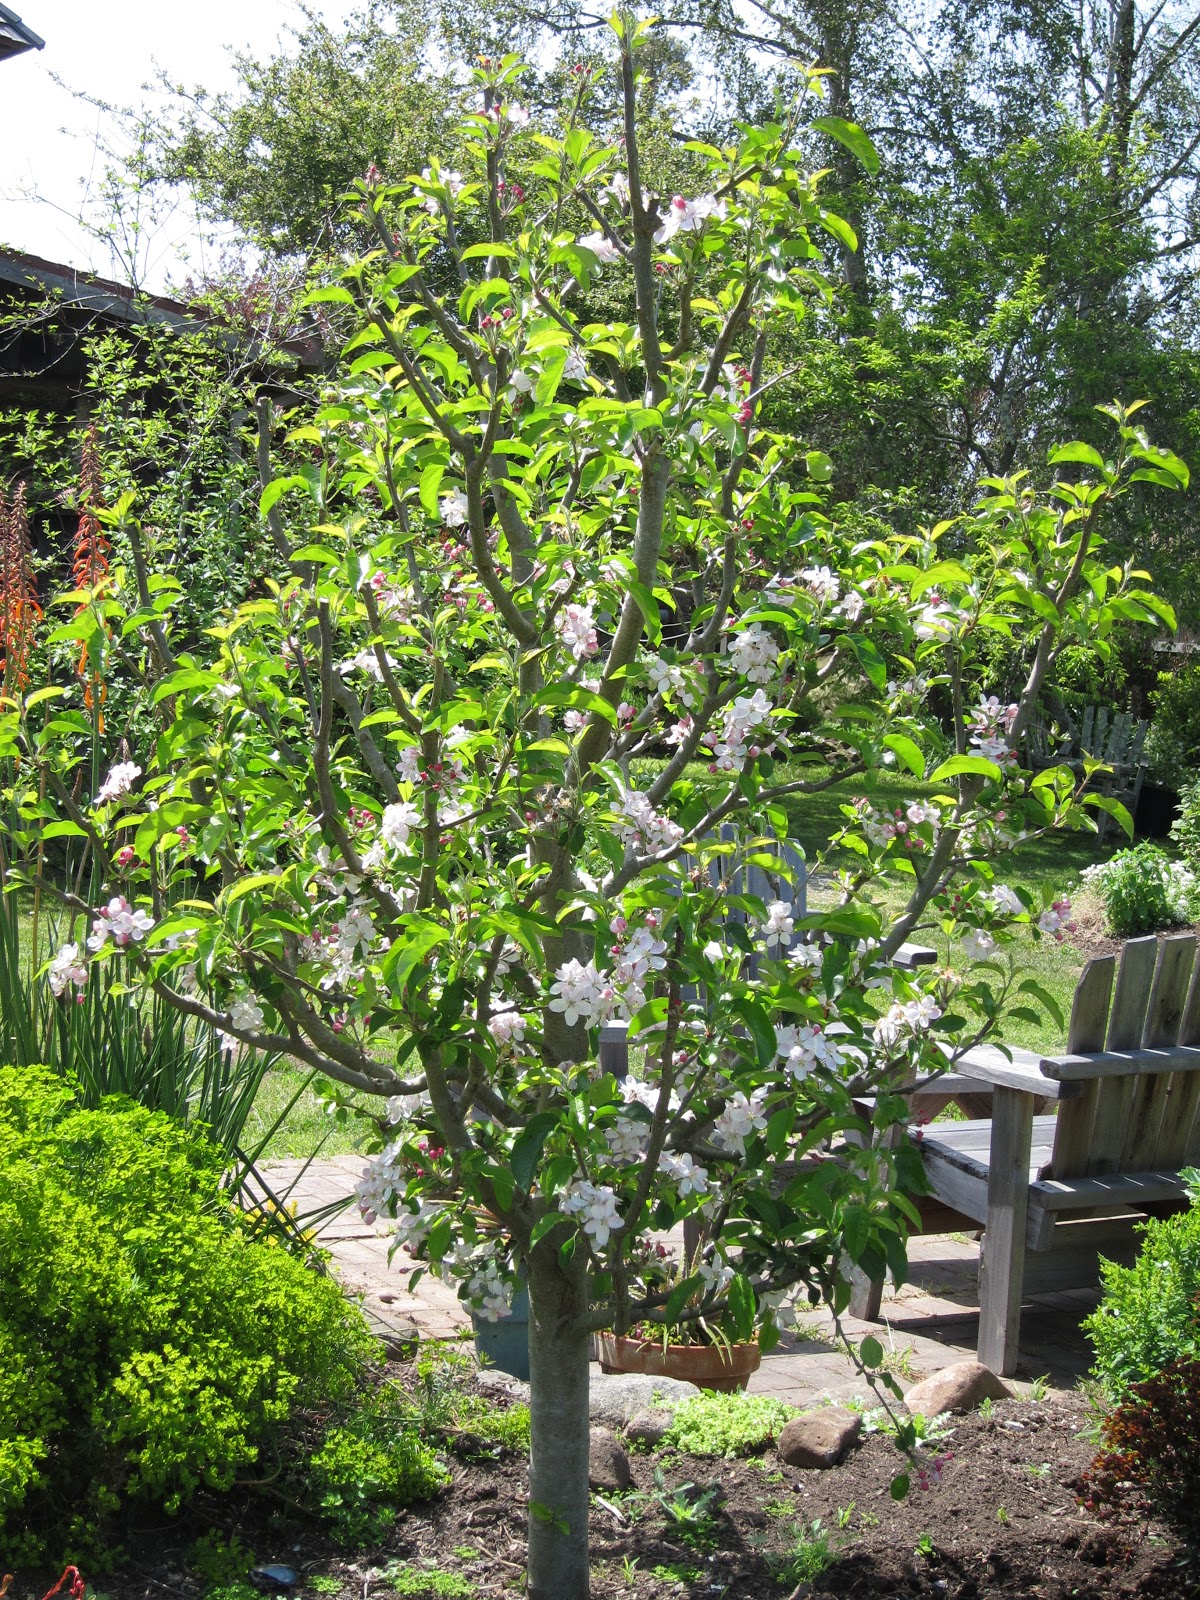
x: 558, y: 1405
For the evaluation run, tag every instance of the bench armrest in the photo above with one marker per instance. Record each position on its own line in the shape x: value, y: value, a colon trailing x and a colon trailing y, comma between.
x: 988, y: 1064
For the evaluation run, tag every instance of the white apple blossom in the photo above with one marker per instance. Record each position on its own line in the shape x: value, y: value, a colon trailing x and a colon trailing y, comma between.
x: 119, y: 782
x: 822, y: 583
x: 978, y: 945
x: 398, y: 822
x: 596, y: 1204
x: 627, y: 1138
x: 453, y: 182
x: 779, y: 925
x: 582, y: 994
x: 689, y: 216
x: 246, y: 1015
x: 753, y: 653
x: 575, y: 367
x: 66, y: 968
x: 409, y: 765
x: 1005, y: 900
x: 851, y: 607
x: 601, y: 246
x: 119, y: 922
x: 507, y: 1026
x: 684, y: 1172
x: 741, y: 1118
x: 804, y: 1047
x: 576, y: 627
x: 640, y: 825
x: 455, y: 508
x: 921, y: 1012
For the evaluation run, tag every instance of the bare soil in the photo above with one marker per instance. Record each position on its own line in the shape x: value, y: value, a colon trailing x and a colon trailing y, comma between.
x: 1004, y: 1520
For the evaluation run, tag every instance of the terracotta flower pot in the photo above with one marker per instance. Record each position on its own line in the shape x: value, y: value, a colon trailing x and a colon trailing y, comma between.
x: 708, y: 1366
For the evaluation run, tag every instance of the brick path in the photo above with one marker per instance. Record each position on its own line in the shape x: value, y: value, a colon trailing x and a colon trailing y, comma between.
x: 929, y: 1323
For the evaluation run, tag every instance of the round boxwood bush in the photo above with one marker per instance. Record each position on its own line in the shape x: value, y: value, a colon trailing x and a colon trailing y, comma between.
x: 148, y: 1345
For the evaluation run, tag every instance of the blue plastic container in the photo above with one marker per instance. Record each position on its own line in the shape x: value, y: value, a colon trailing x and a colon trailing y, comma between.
x: 505, y: 1344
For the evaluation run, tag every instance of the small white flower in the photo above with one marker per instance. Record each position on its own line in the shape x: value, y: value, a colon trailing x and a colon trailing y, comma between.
x: 507, y: 1027
x: 398, y: 822
x: 455, y: 508
x: 921, y: 1012
x: 120, y: 923
x: 576, y: 627
x: 978, y: 945
x: 523, y: 382
x: 575, y: 367
x: 67, y: 968
x: 740, y: 1119
x: 601, y: 246
x: 1006, y: 901
x: 120, y: 780
x: 581, y: 993
x: 684, y: 1172
x: 779, y: 926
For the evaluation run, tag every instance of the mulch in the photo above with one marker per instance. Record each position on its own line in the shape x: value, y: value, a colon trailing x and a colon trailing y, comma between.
x: 1004, y: 1520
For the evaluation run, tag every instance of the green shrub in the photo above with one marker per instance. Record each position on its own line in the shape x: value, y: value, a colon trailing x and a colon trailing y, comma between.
x: 371, y: 1465
x: 727, y: 1424
x: 1185, y: 830
x: 1173, y: 743
x: 148, y: 1346
x: 1150, y: 1313
x: 427, y: 1583
x: 1143, y: 890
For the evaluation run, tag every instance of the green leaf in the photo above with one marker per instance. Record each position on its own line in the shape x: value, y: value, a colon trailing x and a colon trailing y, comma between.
x: 870, y: 1352
x: 870, y: 660
x: 779, y: 1130
x: 572, y: 696
x: 852, y: 137
x: 245, y: 886
x: 968, y: 766
x: 1033, y: 987
x: 761, y: 1030
x: 1110, y: 803
x: 908, y: 751
x: 900, y: 1486
x: 63, y: 830
x: 743, y: 1307
x: 680, y: 1295
x: 1079, y: 452
x: 527, y: 1149
x: 504, y: 1188
x: 856, y: 1230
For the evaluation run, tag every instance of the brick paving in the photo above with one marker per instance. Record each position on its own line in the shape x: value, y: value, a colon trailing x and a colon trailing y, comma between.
x: 926, y: 1325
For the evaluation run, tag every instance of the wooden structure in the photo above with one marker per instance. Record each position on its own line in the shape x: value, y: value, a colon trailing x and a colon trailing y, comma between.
x: 15, y: 37
x: 1056, y: 1192
x: 1114, y: 737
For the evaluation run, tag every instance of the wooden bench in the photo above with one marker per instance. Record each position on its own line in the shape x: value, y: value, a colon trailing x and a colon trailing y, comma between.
x: 1068, y: 1188
x: 1114, y: 737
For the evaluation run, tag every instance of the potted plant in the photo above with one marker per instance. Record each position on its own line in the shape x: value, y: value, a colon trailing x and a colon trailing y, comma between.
x: 687, y: 1340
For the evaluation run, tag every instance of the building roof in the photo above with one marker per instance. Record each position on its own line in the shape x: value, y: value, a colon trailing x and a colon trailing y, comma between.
x: 88, y: 292
x: 15, y: 36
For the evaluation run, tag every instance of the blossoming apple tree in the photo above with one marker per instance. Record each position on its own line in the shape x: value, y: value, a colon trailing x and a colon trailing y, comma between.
x: 567, y: 646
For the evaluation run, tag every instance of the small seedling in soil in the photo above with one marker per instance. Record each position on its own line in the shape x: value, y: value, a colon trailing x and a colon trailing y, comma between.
x: 925, y: 1547
x: 324, y: 1583
x: 689, y: 1510
x: 1002, y: 1517
x: 844, y: 1513
x: 810, y: 1554
x: 986, y: 1407
x: 467, y: 1552
x: 1038, y: 1389
x: 677, y: 1572
x: 1038, y: 1472
x: 427, y: 1583
x: 779, y: 1508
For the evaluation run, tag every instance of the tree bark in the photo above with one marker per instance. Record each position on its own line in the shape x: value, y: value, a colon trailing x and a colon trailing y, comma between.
x: 559, y: 1350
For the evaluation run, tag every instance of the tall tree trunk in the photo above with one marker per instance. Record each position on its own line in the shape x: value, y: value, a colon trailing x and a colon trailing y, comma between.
x: 558, y: 1407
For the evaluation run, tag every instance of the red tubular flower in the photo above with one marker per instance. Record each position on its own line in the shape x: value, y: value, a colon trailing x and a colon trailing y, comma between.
x: 19, y: 609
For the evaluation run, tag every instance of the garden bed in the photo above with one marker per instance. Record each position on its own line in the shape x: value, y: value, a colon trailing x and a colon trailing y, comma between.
x: 1004, y: 1521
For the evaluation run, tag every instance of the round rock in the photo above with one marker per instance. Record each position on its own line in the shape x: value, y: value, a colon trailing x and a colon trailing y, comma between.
x: 617, y: 1397
x: 818, y: 1439
x: 960, y: 1387
x: 650, y: 1426
x: 608, y: 1464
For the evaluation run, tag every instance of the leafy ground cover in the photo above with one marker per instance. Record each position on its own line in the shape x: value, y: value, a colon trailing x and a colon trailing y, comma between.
x: 1001, y: 1518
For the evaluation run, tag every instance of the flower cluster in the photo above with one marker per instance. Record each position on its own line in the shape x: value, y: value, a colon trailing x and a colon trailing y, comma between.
x: 753, y: 653
x: 640, y: 825
x: 911, y: 1017
x: 596, y: 1204
x: 1057, y: 919
x: 119, y: 782
x: 576, y: 627
x: 778, y: 927
x: 741, y: 718
x: 990, y: 725
x: 67, y: 968
x: 119, y: 922
x: 689, y: 216
x: 246, y: 1015
x: 582, y: 994
x: 741, y: 1118
x: 805, y: 1046
x: 881, y: 828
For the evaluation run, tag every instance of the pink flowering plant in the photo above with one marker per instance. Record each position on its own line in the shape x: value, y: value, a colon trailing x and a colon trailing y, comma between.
x: 569, y: 638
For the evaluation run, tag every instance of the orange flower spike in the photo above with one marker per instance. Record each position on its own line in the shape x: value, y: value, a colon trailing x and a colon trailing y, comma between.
x: 90, y: 559
x: 19, y: 608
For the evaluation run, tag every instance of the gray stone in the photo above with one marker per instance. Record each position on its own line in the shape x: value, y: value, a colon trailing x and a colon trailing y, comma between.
x: 818, y: 1439
x: 617, y: 1397
x: 608, y: 1463
x: 960, y: 1387
x: 649, y: 1426
x: 502, y: 1383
